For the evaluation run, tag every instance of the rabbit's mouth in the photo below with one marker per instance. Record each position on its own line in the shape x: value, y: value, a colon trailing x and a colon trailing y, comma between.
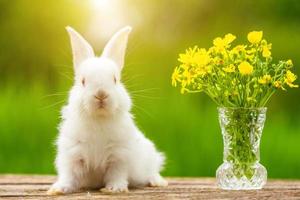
x: 102, y: 106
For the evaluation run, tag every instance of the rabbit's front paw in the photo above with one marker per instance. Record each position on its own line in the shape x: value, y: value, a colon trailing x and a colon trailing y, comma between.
x: 115, y: 188
x: 58, y: 189
x: 158, y: 181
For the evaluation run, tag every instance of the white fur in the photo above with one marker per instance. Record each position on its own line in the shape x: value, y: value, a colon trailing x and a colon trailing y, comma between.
x: 102, y: 147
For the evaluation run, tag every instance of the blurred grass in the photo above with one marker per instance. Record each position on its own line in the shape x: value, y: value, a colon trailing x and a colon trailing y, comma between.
x: 186, y: 130
x: 36, y: 74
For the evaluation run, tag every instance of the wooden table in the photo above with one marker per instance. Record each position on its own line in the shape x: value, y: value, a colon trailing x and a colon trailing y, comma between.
x: 35, y: 186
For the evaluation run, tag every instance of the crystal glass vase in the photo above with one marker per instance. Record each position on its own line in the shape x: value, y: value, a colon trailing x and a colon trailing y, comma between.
x: 241, y: 130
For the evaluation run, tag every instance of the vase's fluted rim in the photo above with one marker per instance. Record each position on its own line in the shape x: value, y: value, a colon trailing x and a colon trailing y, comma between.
x: 243, y: 108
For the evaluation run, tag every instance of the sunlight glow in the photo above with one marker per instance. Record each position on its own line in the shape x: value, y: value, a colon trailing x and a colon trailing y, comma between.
x: 107, y: 16
x: 100, y: 3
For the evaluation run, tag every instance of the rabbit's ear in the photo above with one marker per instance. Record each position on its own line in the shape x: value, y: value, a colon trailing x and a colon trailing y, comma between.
x: 81, y: 49
x: 116, y: 46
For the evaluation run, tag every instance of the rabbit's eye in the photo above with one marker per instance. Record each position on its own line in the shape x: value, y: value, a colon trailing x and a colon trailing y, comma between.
x: 115, y: 79
x: 83, y: 81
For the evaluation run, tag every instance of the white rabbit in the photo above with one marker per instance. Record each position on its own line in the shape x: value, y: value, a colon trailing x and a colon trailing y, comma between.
x: 99, y: 145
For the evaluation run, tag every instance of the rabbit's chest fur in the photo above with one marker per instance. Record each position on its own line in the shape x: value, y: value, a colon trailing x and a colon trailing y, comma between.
x: 95, y: 143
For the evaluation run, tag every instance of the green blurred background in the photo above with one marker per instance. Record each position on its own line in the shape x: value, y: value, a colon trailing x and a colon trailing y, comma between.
x: 36, y: 74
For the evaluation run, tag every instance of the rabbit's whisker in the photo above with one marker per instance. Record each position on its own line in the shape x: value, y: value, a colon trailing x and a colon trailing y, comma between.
x: 144, y: 96
x: 54, y: 94
x: 143, y: 110
x: 144, y: 90
x: 54, y: 104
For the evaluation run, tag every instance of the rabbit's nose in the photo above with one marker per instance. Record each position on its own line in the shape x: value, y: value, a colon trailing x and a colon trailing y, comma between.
x: 101, y: 95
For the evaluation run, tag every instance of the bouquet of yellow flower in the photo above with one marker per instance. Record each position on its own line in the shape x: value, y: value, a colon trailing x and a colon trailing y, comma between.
x: 240, y: 79
x: 239, y: 76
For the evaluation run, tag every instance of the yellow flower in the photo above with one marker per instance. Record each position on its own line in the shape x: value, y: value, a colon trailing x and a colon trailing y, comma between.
x: 245, y: 68
x: 249, y: 57
x: 255, y: 37
x: 265, y: 79
x: 201, y: 58
x: 202, y: 70
x: 231, y: 74
x: 290, y: 78
x: 176, y: 76
x: 266, y: 52
x: 187, y: 57
x: 188, y: 77
x: 219, y: 42
x: 266, y: 49
x: 194, y: 57
x: 251, y: 51
x: 239, y: 48
x: 278, y: 84
x: 250, y: 54
x: 230, y: 68
x: 289, y: 62
x: 229, y: 38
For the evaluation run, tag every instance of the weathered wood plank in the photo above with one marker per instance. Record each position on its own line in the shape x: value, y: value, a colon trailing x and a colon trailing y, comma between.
x: 35, y: 187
